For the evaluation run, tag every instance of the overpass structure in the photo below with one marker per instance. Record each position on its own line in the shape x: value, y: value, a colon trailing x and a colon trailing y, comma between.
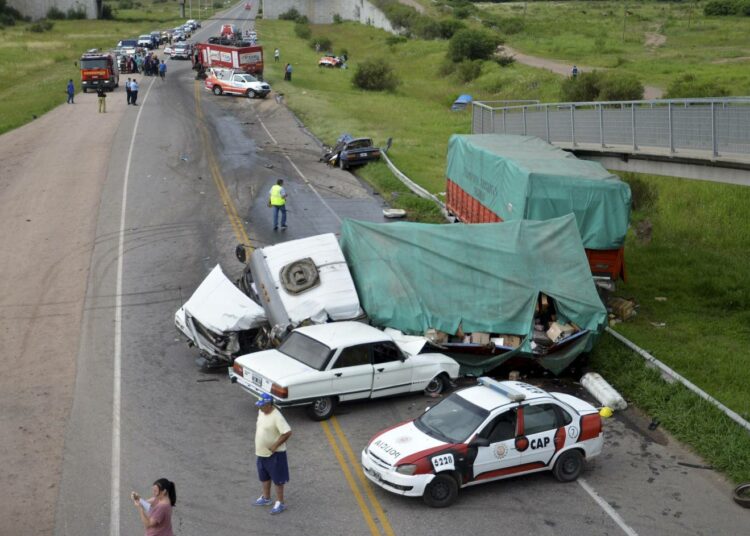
x: 706, y: 139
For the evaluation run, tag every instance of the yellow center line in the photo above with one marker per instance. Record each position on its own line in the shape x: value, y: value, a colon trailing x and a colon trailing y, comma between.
x: 229, y: 207
x: 350, y: 479
x: 387, y: 529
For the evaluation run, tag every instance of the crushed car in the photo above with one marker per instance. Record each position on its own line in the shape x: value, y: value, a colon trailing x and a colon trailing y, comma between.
x: 330, y: 61
x: 350, y: 151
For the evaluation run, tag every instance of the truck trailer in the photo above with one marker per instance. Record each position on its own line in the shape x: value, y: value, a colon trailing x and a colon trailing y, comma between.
x: 247, y: 58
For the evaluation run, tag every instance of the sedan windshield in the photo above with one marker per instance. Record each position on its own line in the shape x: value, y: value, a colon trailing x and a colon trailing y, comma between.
x: 453, y: 420
x: 312, y: 353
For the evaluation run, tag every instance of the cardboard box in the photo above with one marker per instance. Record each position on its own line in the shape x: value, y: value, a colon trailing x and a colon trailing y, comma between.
x: 480, y: 338
x: 559, y: 331
x: 507, y: 341
x: 436, y: 336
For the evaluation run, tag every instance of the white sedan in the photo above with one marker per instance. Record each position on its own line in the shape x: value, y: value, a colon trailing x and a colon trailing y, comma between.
x: 319, y: 366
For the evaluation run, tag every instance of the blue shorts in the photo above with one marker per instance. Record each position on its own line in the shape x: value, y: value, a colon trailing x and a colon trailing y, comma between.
x: 273, y: 467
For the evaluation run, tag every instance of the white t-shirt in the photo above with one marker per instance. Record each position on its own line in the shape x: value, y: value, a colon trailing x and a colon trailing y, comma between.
x: 268, y: 429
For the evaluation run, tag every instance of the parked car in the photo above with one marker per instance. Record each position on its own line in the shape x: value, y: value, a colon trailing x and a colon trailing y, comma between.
x: 195, y: 24
x: 350, y: 151
x: 178, y: 35
x: 236, y: 83
x: 319, y: 366
x: 128, y: 47
x: 146, y: 41
x: 182, y: 51
x: 168, y: 50
x: 488, y: 432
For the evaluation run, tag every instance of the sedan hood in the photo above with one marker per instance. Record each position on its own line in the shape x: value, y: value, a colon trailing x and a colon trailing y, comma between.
x: 405, y: 440
x: 221, y: 307
x: 273, y: 365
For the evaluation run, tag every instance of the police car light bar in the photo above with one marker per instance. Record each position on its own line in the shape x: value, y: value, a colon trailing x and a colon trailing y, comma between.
x: 515, y: 396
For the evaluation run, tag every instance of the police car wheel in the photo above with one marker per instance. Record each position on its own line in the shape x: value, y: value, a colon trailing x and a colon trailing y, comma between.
x: 568, y: 466
x: 441, y: 492
x: 322, y: 408
x: 436, y: 386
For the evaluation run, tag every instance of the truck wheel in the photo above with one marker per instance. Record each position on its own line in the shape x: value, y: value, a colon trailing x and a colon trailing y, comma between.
x: 437, y: 385
x: 217, y: 90
x: 322, y: 408
x: 442, y: 491
x: 250, y: 94
x: 568, y: 466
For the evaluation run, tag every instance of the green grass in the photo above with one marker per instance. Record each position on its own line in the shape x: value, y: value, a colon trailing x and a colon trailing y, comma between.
x: 35, y: 67
x: 591, y: 34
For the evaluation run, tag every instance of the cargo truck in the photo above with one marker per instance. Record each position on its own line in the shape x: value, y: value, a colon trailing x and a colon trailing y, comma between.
x: 99, y: 69
x: 247, y: 58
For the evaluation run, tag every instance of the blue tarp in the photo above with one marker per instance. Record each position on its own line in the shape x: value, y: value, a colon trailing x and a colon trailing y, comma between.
x: 461, y: 102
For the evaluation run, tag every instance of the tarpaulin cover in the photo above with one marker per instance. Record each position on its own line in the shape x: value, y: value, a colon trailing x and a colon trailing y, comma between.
x: 524, y: 177
x: 485, y: 277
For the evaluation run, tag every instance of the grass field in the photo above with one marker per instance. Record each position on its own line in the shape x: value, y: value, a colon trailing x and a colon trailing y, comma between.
x: 661, y: 41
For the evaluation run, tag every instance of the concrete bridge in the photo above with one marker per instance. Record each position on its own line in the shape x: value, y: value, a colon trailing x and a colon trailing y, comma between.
x: 706, y: 139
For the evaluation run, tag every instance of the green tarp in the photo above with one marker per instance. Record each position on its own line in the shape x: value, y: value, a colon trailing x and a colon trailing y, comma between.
x: 525, y: 178
x: 484, y: 277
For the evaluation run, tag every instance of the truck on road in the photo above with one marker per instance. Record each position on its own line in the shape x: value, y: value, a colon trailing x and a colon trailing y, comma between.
x: 247, y: 58
x: 99, y: 69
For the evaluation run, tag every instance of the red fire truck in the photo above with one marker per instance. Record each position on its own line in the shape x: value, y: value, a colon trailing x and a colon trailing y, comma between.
x: 244, y: 58
x: 99, y: 69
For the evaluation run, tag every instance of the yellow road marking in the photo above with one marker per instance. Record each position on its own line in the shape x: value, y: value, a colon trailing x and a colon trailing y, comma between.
x: 229, y: 207
x: 350, y: 479
x: 365, y: 484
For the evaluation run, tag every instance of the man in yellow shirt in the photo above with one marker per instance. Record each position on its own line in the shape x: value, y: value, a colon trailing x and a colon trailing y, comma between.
x: 271, y: 434
x: 277, y: 200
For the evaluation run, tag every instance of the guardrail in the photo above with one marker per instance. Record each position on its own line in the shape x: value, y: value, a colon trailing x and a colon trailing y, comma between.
x: 708, y: 128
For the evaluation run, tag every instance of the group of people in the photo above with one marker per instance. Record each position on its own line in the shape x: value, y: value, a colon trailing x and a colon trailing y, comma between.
x: 288, y: 72
x: 272, y: 432
x: 131, y: 91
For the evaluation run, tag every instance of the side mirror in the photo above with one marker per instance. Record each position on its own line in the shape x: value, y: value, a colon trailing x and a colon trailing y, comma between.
x: 240, y: 253
x: 480, y: 442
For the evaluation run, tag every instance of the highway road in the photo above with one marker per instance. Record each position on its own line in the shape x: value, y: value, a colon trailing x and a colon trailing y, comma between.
x: 187, y: 179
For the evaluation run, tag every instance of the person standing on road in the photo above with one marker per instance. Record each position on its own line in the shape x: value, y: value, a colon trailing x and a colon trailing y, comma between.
x: 128, y: 93
x: 156, y: 513
x: 162, y: 70
x: 277, y: 201
x: 102, y: 98
x: 276, y: 55
x: 71, y: 91
x: 133, y: 92
x: 271, y: 434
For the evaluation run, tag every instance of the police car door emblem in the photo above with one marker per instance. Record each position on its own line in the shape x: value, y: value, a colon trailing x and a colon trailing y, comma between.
x: 403, y: 439
x: 573, y: 432
x: 500, y: 451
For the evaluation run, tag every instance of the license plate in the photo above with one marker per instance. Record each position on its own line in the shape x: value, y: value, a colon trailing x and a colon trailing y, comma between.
x: 373, y: 473
x: 257, y: 380
x: 362, y: 154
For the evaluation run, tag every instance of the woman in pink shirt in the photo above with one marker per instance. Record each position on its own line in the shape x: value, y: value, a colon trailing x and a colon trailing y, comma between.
x: 156, y: 513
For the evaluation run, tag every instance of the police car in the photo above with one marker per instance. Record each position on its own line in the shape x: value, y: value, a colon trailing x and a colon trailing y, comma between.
x: 491, y: 431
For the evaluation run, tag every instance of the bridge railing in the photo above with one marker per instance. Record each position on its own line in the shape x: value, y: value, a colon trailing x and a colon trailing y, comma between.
x: 707, y: 128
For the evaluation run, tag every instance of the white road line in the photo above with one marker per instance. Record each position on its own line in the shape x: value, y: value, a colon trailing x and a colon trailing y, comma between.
x: 300, y: 173
x: 607, y: 508
x: 114, y: 505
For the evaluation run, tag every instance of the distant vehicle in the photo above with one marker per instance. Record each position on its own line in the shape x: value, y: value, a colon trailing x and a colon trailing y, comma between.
x: 229, y: 31
x: 194, y: 24
x: 146, y: 41
x: 350, y: 152
x: 168, y: 50
x: 488, y: 432
x: 156, y: 37
x: 330, y: 61
x: 178, y: 36
x: 248, y: 6
x: 242, y: 57
x: 187, y: 29
x: 99, y: 69
x: 128, y: 46
x: 322, y: 365
x: 236, y: 83
x: 182, y: 51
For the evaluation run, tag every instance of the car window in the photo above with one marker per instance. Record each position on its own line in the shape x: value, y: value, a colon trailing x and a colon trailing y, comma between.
x: 385, y: 352
x: 502, y: 428
x: 539, y: 418
x: 353, y: 356
x: 306, y: 350
x: 359, y: 144
x: 453, y: 420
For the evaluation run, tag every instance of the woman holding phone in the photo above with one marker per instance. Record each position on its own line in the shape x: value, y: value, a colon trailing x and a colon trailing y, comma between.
x: 156, y: 512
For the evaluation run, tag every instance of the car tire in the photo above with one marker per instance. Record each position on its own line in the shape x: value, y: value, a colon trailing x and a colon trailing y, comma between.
x: 441, y: 492
x: 568, y: 466
x: 322, y: 408
x: 437, y: 385
x: 742, y: 495
x: 343, y: 165
x: 217, y: 90
x: 251, y: 94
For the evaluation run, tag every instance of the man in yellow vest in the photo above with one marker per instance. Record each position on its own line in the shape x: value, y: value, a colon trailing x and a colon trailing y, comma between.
x: 277, y: 200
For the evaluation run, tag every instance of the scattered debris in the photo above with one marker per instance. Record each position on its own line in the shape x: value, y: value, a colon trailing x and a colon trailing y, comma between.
x: 696, y: 466
x: 659, y: 324
x: 201, y: 380
x: 603, y: 391
x: 623, y: 308
x: 269, y: 166
x: 654, y: 424
x: 660, y: 298
x: 394, y: 212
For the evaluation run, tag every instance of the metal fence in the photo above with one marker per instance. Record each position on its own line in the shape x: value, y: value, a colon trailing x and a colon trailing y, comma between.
x: 706, y: 128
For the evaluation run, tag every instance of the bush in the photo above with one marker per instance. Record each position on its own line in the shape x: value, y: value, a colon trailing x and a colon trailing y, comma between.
x: 126, y: 4
x: 447, y: 67
x: 291, y: 14
x: 54, y: 13
x: 107, y: 13
x: 395, y: 40
x: 583, y: 88
x: 76, y: 13
x: 41, y: 26
x: 448, y: 27
x: 426, y: 28
x: 470, y: 44
x: 401, y: 16
x: 504, y: 25
x: 324, y: 44
x: 302, y: 31
x: 504, y: 60
x: 688, y: 86
x: 337, y: 18
x: 375, y: 75
x: 620, y: 86
x: 218, y: 4
x: 468, y: 70
x: 644, y: 195
x: 463, y: 12
x: 720, y: 8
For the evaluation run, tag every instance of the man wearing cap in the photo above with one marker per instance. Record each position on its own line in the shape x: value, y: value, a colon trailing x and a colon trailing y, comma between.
x: 271, y: 433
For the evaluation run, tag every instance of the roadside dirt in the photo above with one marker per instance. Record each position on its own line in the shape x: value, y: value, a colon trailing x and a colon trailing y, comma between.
x: 655, y: 40
x: 50, y: 183
x: 563, y: 69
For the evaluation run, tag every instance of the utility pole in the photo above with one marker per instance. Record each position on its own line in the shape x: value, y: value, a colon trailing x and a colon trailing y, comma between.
x: 624, y: 19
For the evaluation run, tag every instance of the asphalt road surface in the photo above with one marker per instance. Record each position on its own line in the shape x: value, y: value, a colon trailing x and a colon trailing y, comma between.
x: 187, y: 178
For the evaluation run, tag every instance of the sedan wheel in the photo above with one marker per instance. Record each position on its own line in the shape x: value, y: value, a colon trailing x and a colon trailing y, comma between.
x: 343, y: 165
x: 217, y: 90
x: 568, y: 466
x: 250, y: 94
x: 436, y: 386
x: 442, y: 491
x: 322, y: 408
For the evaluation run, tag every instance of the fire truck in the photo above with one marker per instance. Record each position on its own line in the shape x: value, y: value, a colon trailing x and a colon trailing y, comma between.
x: 99, y: 69
x: 247, y: 58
